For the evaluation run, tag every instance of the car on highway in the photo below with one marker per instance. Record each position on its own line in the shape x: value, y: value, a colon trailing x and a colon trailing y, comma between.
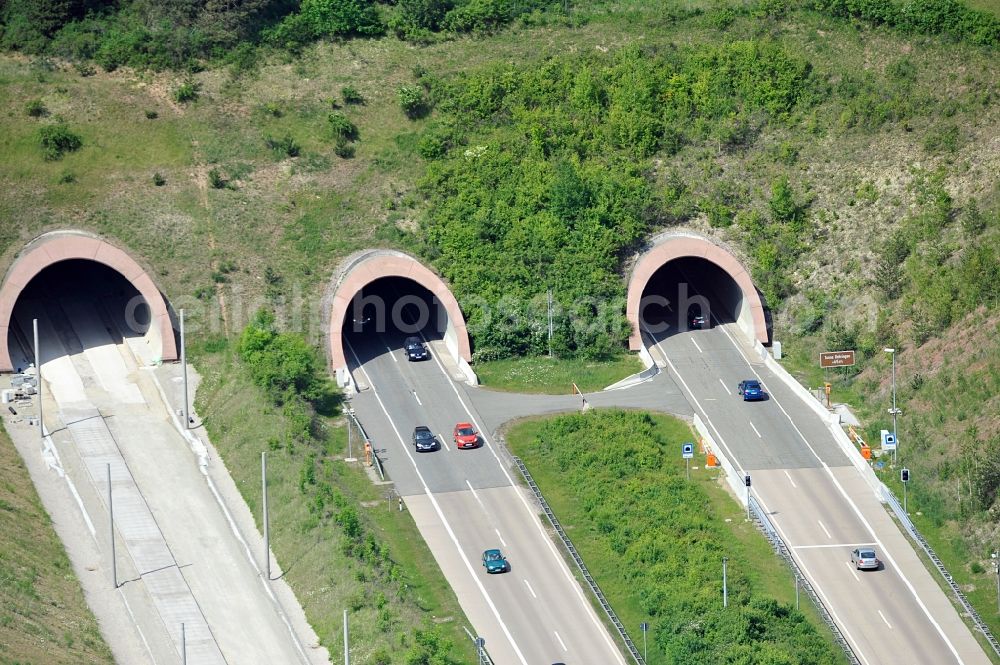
x: 424, y: 439
x: 696, y: 321
x: 864, y: 558
x: 495, y: 562
x: 466, y: 436
x: 415, y: 349
x: 750, y: 389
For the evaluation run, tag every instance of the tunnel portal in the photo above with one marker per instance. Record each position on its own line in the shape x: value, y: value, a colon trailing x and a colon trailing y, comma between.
x: 58, y: 274
x: 685, y: 276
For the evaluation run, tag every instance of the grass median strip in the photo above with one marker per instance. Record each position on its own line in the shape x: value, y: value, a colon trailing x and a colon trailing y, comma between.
x: 555, y: 376
x: 655, y: 541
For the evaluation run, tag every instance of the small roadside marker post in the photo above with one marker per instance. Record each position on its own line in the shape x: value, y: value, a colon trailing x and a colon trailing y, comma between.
x: 746, y: 479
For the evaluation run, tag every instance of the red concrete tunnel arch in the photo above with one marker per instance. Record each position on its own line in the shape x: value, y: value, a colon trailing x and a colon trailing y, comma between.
x: 677, y: 246
x: 376, y: 264
x: 59, y: 246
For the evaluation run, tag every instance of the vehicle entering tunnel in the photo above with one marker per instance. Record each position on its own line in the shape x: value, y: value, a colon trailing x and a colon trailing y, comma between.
x: 80, y: 305
x: 689, y: 293
x: 387, y: 313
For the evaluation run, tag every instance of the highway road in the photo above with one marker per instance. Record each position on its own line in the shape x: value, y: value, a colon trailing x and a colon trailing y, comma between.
x: 465, y: 501
x: 821, y: 506
x: 186, y: 586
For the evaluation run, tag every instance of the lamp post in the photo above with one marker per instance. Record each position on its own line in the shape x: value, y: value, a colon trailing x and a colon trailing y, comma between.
x: 894, y: 411
x: 725, y: 591
x: 996, y: 567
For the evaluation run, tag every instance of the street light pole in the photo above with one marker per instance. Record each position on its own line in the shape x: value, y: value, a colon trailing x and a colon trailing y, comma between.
x: 725, y: 590
x: 996, y: 567
x: 895, y: 411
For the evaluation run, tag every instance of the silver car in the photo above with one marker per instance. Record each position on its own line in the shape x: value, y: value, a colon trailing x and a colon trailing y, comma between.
x: 864, y: 558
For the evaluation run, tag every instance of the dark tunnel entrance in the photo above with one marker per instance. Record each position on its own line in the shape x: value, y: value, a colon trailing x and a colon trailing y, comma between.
x: 684, y: 289
x: 387, y: 311
x: 80, y: 305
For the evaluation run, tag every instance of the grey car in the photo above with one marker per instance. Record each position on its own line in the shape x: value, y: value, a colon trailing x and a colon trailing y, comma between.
x: 864, y: 558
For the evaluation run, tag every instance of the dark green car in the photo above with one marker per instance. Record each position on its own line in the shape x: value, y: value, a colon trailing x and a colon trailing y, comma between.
x: 495, y: 562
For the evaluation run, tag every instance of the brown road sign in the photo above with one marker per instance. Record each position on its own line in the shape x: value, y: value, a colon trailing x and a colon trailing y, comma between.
x: 836, y: 359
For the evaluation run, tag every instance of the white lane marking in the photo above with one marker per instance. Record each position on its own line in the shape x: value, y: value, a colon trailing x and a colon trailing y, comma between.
x: 822, y: 547
x: 790, y: 479
x: 533, y: 516
x: 391, y: 354
x: 854, y: 571
x: 533, y: 594
x: 857, y: 512
x: 824, y: 530
x: 561, y: 643
x: 720, y: 381
x: 444, y: 441
x: 884, y: 619
x: 417, y: 397
x: 760, y: 500
x: 696, y: 344
x: 756, y: 431
x: 502, y: 542
x: 480, y: 501
x: 440, y: 514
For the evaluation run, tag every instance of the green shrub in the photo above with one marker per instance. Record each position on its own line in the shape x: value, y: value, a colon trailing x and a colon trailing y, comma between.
x: 57, y: 140
x: 36, y: 109
x: 283, y: 147
x: 188, y: 91
x: 946, y: 139
x: 216, y: 179
x: 351, y: 95
x: 284, y: 364
x: 319, y: 19
x: 67, y: 177
x: 343, y: 148
x: 159, y: 180
x: 413, y: 101
x: 341, y: 127
x: 152, y: 115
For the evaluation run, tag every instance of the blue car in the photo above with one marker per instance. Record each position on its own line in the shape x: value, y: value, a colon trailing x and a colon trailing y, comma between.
x: 751, y: 389
x: 495, y: 562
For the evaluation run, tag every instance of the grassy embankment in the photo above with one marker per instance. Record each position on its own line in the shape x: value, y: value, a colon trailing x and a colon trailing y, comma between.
x: 554, y: 376
x: 43, y: 616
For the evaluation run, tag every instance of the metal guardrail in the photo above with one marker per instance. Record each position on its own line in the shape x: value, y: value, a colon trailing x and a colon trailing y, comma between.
x: 765, y: 526
x: 911, y: 528
x: 481, y: 652
x: 375, y: 461
x: 579, y: 562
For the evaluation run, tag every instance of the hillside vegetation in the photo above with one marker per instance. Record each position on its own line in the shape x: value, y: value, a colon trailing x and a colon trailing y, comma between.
x: 846, y: 151
x: 43, y: 616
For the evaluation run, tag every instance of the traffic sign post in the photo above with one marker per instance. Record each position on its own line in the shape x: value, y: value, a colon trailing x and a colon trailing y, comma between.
x: 687, y: 452
x: 746, y: 481
x: 644, y: 627
x: 904, y: 477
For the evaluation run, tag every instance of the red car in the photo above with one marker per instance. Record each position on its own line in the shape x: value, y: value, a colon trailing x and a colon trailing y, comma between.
x: 466, y: 436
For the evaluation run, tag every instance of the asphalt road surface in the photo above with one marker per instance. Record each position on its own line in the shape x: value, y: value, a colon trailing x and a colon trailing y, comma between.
x: 821, y: 506
x: 464, y: 502
x: 183, y: 575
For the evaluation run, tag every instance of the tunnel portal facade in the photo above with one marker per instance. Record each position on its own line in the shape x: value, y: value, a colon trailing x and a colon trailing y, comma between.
x: 702, y: 272
x: 62, y: 246
x: 371, y: 270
